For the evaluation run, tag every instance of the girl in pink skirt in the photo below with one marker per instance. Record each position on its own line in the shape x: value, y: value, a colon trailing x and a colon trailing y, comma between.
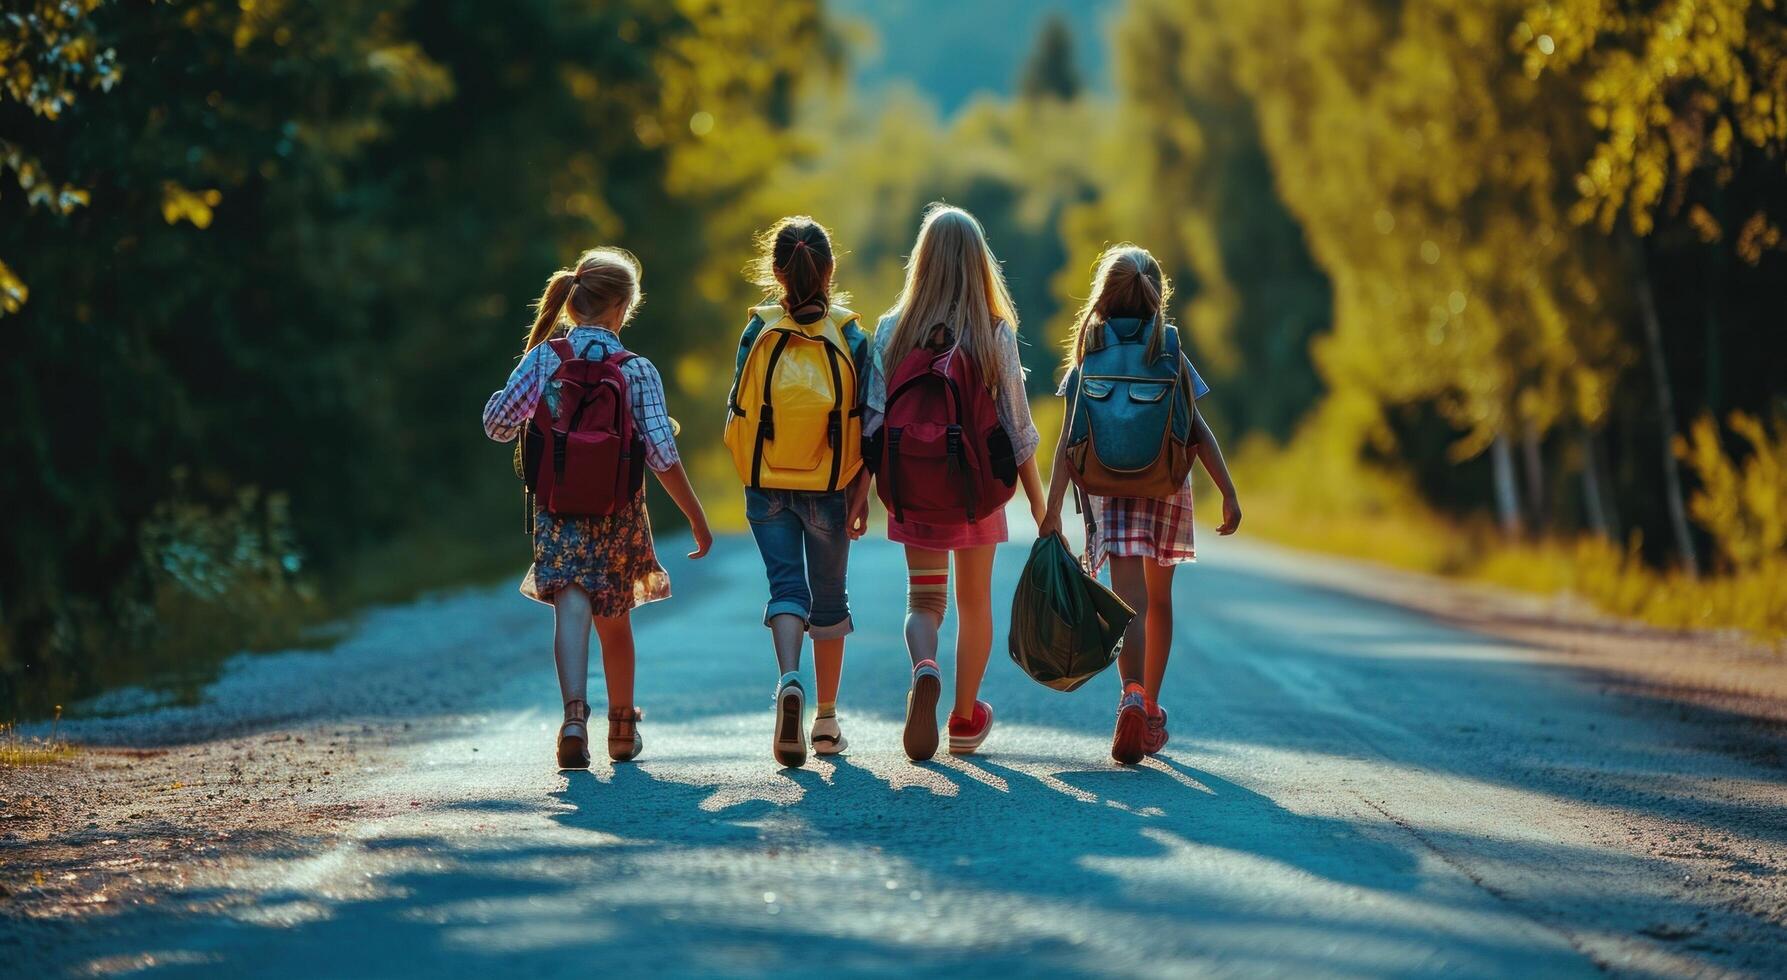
x: 952, y: 278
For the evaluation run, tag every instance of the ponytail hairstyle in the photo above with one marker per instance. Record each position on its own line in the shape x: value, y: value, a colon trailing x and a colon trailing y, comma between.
x: 794, y: 266
x: 604, y: 281
x: 1128, y: 283
x: 952, y: 278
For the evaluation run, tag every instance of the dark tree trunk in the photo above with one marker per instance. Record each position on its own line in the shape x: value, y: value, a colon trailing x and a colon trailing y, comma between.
x: 1672, y: 479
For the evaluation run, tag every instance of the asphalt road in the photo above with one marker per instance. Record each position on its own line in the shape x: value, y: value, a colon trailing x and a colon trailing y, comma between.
x: 1351, y: 789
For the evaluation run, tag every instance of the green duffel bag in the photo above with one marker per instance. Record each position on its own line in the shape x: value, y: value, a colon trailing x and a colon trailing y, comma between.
x: 1065, y: 625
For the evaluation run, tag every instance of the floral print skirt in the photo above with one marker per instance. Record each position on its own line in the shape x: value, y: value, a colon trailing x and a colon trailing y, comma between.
x: 610, y: 557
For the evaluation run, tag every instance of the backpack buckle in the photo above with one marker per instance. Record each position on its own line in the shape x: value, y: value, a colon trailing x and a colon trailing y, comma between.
x: 953, y: 440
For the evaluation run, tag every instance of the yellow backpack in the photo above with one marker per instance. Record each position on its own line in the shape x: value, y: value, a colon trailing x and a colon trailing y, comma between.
x: 793, y: 421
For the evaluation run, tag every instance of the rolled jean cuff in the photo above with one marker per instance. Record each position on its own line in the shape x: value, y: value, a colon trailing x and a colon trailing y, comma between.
x: 784, y: 607
x: 833, y: 631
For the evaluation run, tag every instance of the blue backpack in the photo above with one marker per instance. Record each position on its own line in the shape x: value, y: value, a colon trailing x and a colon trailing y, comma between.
x: 1130, y: 418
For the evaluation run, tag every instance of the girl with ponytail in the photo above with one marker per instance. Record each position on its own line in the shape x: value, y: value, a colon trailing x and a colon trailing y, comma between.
x: 1142, y: 537
x: 794, y: 418
x: 595, y: 569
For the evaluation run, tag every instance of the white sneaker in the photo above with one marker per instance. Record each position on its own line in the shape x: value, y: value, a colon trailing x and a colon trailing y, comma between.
x: 789, y: 745
x: 827, y: 739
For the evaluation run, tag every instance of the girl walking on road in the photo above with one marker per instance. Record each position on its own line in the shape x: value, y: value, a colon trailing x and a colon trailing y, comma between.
x: 594, y: 412
x: 794, y: 427
x: 1138, y: 515
x: 951, y: 433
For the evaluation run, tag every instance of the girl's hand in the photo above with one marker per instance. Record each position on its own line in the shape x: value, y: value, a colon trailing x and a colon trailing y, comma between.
x: 1050, y: 524
x: 1231, y: 515
x: 856, y: 506
x: 704, y: 538
x: 856, y: 522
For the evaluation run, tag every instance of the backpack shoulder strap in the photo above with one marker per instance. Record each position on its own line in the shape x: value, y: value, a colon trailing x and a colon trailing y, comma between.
x: 1170, y: 343
x: 747, y: 341
x: 562, y: 347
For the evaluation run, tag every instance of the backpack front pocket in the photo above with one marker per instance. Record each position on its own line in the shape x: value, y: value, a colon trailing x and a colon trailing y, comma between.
x: 586, y: 483
x: 801, y: 400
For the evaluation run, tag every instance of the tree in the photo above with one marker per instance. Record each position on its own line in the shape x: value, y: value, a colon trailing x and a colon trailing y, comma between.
x: 1050, y: 71
x: 312, y: 235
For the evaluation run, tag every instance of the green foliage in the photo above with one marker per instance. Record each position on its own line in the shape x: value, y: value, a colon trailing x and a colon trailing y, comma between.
x: 306, y: 263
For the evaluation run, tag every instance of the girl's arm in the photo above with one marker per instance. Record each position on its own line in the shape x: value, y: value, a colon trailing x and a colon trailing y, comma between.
x: 1051, y: 518
x: 676, y: 483
x: 1015, y: 404
x: 508, y: 410
x: 1032, y: 480
x: 646, y: 387
x: 1210, y: 454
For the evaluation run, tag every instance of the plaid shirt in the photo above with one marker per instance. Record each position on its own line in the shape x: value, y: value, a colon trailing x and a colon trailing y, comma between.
x: 509, y: 409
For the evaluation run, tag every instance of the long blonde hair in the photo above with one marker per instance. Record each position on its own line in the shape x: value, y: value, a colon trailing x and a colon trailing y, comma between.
x: 603, y: 279
x: 1128, y: 282
x: 952, y: 278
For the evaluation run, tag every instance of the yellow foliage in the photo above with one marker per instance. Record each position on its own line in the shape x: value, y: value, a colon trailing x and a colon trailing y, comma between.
x: 1744, y: 507
x: 179, y: 204
x: 13, y: 292
x: 1331, y: 502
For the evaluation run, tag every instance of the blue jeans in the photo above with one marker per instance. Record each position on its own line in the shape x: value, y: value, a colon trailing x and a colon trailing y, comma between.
x: 787, y: 523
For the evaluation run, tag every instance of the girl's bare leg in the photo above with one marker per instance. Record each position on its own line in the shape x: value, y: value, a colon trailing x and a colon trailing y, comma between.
x: 924, y: 609
x: 1131, y: 585
x: 616, y: 634
x: 1159, y: 580
x: 974, y: 623
x: 828, y: 666
x: 570, y: 642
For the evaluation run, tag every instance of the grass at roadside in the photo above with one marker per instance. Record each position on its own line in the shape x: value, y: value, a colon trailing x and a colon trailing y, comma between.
x: 17, y: 750
x: 1374, y: 519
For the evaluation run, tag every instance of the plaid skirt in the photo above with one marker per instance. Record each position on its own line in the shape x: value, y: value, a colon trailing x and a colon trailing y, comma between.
x: 1141, y: 527
x: 611, y: 558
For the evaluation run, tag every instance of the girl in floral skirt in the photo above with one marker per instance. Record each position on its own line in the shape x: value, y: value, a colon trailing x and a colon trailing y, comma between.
x: 596, y: 569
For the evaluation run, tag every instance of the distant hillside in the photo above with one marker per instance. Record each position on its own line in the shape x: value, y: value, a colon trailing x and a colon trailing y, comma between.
x: 952, y: 49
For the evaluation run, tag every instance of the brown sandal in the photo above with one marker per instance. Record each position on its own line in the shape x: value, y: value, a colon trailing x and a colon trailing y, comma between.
x: 573, y: 736
x: 624, y: 742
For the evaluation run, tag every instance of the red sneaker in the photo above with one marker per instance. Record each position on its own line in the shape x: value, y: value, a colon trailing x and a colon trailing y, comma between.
x: 1132, y: 726
x: 1155, y: 738
x: 966, y: 734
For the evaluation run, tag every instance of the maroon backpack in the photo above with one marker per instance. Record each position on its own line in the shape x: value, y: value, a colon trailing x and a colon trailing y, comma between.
x: 941, y: 455
x: 588, y: 460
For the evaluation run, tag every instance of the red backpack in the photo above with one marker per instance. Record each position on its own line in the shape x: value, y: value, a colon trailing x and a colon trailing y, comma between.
x: 942, y: 457
x: 596, y: 462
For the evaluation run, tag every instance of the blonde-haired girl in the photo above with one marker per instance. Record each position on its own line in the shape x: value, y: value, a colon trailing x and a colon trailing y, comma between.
x: 1143, y: 538
x: 596, y: 568
x: 954, y: 280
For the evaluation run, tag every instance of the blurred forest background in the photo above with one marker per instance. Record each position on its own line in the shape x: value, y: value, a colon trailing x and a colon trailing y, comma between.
x: 1490, y: 288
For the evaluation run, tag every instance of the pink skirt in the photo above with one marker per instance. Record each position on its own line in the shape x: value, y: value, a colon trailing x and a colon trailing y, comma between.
x: 990, y: 529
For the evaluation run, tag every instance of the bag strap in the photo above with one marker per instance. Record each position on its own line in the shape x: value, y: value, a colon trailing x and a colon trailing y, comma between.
x: 835, y: 421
